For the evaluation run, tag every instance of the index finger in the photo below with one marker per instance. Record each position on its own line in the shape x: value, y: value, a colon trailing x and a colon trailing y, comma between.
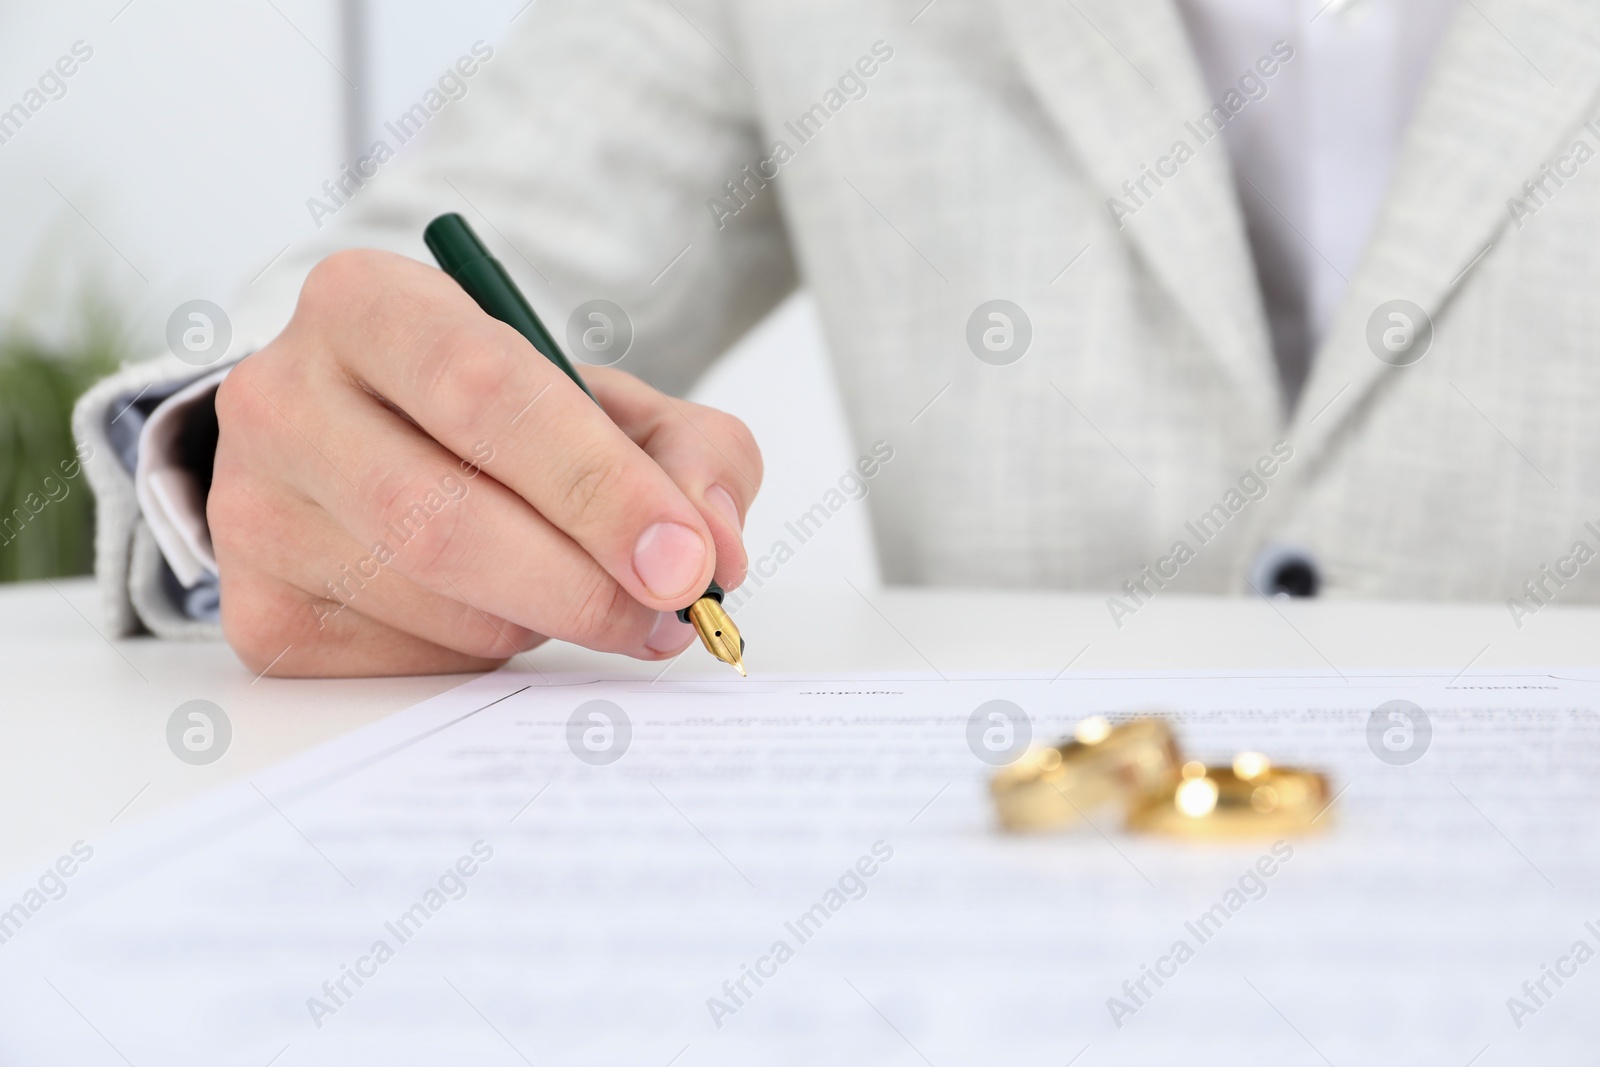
x: 409, y: 333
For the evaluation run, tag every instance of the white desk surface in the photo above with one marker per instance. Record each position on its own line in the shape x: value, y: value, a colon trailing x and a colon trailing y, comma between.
x: 82, y: 719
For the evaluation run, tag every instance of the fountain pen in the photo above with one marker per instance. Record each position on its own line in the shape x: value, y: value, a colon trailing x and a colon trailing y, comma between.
x: 462, y: 256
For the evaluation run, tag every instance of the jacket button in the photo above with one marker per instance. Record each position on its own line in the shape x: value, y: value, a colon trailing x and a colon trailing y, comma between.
x: 1281, y: 570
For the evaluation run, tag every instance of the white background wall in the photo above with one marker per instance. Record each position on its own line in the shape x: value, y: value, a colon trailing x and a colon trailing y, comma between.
x: 178, y: 163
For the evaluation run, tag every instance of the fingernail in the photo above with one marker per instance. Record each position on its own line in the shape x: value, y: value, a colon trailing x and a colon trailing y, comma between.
x: 720, y: 499
x: 668, y: 559
x: 668, y: 634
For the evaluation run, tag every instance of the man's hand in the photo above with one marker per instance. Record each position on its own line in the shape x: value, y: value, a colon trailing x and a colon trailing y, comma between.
x: 404, y: 485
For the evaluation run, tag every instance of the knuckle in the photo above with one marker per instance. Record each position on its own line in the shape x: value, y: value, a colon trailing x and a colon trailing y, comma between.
x: 432, y: 542
x: 734, y: 444
x: 467, y: 373
x: 238, y: 510
x: 238, y: 401
x: 745, y: 448
x: 593, y: 486
x: 255, y: 402
x: 338, y: 279
x: 258, y: 624
x: 228, y: 511
x: 600, y: 615
x: 439, y: 549
x: 490, y: 637
x: 391, y: 489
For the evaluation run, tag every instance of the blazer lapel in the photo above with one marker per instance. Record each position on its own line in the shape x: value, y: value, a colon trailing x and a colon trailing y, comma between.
x: 1120, y: 79
x: 1504, y: 94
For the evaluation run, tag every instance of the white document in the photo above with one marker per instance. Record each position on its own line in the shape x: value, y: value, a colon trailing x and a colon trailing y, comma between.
x: 806, y: 870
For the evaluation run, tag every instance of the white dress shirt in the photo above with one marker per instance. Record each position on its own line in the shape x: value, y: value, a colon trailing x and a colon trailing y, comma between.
x: 1312, y: 159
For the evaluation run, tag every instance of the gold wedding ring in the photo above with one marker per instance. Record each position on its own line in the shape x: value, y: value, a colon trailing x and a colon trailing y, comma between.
x: 1252, y: 798
x: 1138, y: 764
x: 1051, y: 788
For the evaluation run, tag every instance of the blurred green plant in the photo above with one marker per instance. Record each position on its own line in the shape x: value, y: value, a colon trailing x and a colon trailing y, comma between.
x: 46, y: 518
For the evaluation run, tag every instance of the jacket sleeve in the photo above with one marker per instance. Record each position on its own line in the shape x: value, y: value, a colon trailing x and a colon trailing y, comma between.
x: 587, y: 149
x: 138, y: 589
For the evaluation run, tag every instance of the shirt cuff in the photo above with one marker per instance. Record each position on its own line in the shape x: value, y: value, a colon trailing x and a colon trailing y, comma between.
x: 171, y: 493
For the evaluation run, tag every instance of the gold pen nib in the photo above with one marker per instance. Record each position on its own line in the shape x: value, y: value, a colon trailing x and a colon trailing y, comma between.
x: 717, y: 632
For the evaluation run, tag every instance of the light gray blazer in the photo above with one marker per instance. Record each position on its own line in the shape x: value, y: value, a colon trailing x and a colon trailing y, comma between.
x: 595, y: 152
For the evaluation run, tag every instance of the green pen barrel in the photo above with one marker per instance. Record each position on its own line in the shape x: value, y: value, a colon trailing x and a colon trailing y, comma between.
x: 462, y: 256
